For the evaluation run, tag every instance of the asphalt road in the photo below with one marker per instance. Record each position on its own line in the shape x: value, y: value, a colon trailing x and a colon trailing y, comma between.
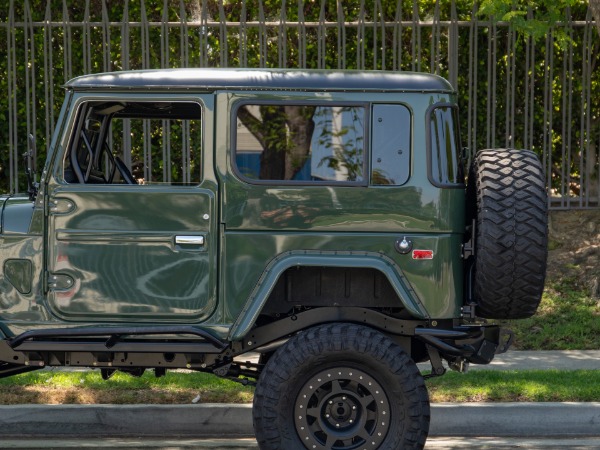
x: 437, y: 443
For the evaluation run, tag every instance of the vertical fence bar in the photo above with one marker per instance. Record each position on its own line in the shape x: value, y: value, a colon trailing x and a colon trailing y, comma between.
x: 321, y: 38
x: 48, y: 76
x: 509, y: 95
x: 184, y: 40
x: 147, y: 125
x: 434, y: 50
x: 453, y: 38
x: 262, y: 36
x: 30, y: 97
x: 86, y: 39
x: 165, y: 51
x: 13, y: 118
x: 223, y: 45
x: 360, y: 37
x: 243, y: 37
x: 492, y: 86
x: 203, y: 35
x: 416, y: 39
x: 593, y: 145
x: 378, y: 40
x: 397, y: 43
x: 106, y: 50
x: 341, y: 35
x: 472, y: 83
x: 547, y: 124
x: 301, y: 36
x: 585, y: 168
x: 378, y: 17
x: 67, y: 40
x: 164, y: 38
x: 528, y: 88
x: 125, y: 66
x: 567, y: 154
x: 282, y: 40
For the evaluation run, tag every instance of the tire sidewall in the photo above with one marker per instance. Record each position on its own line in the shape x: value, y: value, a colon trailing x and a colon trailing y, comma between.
x: 301, y: 367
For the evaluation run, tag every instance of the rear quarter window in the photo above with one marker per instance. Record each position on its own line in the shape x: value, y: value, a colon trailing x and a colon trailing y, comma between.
x: 391, y: 140
x: 445, y: 162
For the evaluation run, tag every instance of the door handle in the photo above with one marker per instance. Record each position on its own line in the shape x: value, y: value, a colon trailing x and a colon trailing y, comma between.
x: 189, y: 240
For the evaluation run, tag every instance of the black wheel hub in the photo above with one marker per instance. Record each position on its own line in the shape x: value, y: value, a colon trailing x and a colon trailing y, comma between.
x: 342, y: 408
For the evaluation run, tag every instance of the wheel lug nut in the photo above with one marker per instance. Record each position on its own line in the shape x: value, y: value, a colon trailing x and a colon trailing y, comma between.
x: 330, y: 402
x: 327, y: 415
x: 351, y: 421
x: 337, y: 425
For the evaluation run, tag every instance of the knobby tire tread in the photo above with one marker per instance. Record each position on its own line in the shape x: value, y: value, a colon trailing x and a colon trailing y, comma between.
x: 511, y: 241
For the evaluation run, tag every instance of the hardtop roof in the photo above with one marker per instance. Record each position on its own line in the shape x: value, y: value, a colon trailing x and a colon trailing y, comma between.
x: 261, y: 79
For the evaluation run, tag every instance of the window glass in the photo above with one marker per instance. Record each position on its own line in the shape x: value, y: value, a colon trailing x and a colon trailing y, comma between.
x: 390, y: 154
x: 446, y: 163
x: 300, y: 143
x: 136, y: 143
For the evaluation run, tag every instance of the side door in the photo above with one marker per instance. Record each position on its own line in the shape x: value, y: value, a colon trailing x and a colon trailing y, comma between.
x: 132, y: 213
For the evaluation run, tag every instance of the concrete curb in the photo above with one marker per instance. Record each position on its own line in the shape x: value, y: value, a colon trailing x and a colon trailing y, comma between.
x: 224, y: 420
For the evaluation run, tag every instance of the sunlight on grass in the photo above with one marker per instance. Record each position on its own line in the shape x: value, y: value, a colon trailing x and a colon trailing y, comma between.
x: 511, y: 386
x: 567, y: 319
x: 180, y: 388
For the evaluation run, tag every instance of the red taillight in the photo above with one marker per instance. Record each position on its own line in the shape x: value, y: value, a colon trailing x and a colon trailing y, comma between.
x: 422, y: 254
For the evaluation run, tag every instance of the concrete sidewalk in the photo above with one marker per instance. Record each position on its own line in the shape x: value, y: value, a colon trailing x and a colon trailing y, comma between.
x: 235, y: 421
x: 544, y: 360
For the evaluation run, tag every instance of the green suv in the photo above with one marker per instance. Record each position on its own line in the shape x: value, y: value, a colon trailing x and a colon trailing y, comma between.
x: 317, y: 218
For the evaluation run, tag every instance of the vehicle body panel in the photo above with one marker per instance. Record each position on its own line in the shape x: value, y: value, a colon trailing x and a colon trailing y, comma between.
x: 111, y: 254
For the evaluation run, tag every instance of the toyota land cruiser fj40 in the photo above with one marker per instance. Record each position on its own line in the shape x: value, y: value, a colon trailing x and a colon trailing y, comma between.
x: 320, y: 219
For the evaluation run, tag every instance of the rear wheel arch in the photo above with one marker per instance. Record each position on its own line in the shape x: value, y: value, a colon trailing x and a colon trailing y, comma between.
x: 261, y: 293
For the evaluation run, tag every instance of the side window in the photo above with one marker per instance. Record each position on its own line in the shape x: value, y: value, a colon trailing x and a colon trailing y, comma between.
x: 136, y: 143
x: 390, y: 145
x: 301, y: 143
x: 446, y: 166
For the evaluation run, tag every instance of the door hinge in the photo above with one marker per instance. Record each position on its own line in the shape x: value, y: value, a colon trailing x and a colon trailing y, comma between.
x: 58, y: 281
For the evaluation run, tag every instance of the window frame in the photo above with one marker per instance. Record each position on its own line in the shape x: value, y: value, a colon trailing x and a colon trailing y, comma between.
x: 233, y: 117
x: 430, y: 156
x: 76, y: 123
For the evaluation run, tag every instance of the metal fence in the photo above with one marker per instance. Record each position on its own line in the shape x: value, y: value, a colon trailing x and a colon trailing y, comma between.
x: 514, y: 92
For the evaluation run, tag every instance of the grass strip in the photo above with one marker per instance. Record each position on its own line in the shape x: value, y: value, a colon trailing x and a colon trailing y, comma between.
x: 516, y: 386
x: 567, y: 319
x: 87, y: 387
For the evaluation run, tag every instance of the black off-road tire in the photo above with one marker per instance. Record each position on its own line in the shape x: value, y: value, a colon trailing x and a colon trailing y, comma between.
x: 507, y: 196
x: 340, y: 386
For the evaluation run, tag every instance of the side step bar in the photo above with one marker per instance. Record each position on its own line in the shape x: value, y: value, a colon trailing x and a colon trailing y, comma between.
x: 36, y: 340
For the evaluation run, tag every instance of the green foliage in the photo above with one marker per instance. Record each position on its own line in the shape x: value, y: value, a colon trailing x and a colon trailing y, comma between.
x: 44, y: 57
x: 531, y: 19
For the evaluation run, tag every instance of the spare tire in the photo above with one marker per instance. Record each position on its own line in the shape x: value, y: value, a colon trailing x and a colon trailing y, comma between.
x: 506, y: 196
